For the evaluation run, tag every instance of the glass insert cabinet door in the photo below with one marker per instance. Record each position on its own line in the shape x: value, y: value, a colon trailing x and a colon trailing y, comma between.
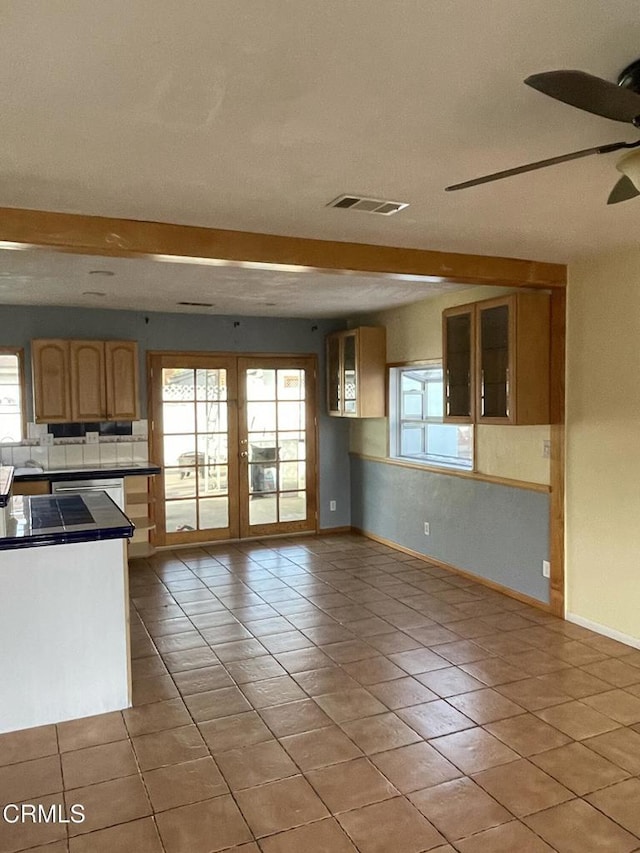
x: 236, y: 441
x: 494, y: 348
x: 458, y: 385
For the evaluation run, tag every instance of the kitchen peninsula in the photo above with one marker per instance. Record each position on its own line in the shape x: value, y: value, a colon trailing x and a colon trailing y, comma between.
x: 64, y: 631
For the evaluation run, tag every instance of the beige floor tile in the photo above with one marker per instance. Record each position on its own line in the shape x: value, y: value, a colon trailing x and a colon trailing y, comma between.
x: 272, y: 691
x: 173, y: 746
x: 620, y: 802
x: 375, y: 734
x: 418, y: 660
x: 527, y: 735
x: 621, y: 746
x: 402, y: 693
x: 323, y: 836
x: 304, y: 660
x: 577, y: 720
x: 449, y: 681
x: 485, y: 706
x: 473, y: 750
x: 91, y: 731
x: 620, y: 705
x: 255, y: 669
x: 153, y: 689
x: 350, y: 785
x: 574, y: 682
x: 203, y: 827
x: 614, y: 671
x: 29, y: 779
x: 290, y: 641
x: 374, y: 671
x: 140, y: 836
x: 295, y: 717
x: 109, y: 803
x: 462, y: 651
x: 98, y: 764
x: 25, y: 835
x: 330, y: 679
x: 579, y: 768
x: 201, y: 680
x: 232, y: 732
x: 558, y: 827
x: 350, y: 704
x: 255, y: 765
x: 522, y: 787
x: 181, y: 784
x: 156, y: 717
x: 394, y: 825
x: 512, y: 837
x: 434, y: 719
x: 414, y: 767
x: 392, y: 643
x: 190, y: 659
x: 320, y: 748
x: 212, y: 704
x: 493, y: 671
x: 459, y: 808
x: 281, y: 805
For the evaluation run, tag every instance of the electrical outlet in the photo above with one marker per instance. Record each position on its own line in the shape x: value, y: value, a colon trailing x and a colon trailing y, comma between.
x: 332, y: 506
x: 546, y: 449
x: 546, y: 569
x: 46, y: 440
x: 91, y: 437
x: 426, y: 528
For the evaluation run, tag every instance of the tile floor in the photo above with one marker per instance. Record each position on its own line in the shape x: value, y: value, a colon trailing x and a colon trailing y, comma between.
x: 329, y: 695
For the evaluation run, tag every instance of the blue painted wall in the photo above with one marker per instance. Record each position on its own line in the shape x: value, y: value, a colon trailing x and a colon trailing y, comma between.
x: 498, y: 532
x: 156, y: 331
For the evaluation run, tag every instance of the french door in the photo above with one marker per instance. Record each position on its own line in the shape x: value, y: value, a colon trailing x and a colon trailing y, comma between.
x: 236, y: 440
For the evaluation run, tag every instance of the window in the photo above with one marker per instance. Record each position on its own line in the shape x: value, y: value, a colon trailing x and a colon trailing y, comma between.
x: 11, y: 402
x: 416, y: 409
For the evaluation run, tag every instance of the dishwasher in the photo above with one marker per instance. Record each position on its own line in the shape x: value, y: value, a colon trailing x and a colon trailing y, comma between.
x: 114, y: 487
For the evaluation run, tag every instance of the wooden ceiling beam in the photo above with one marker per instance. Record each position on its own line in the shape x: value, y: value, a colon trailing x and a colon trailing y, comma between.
x: 128, y: 238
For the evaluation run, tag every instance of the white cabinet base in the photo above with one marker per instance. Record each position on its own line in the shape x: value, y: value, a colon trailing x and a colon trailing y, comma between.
x: 64, y: 633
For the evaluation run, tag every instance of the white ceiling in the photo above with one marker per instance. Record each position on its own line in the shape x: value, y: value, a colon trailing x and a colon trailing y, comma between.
x: 54, y: 278
x: 253, y: 114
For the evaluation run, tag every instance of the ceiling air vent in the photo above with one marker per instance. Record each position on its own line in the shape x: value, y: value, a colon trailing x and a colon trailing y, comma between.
x: 368, y: 205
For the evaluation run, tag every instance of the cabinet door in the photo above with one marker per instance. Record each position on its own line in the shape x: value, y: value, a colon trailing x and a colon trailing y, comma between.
x: 121, y: 364
x: 334, y: 389
x: 50, y: 365
x: 88, y: 395
x: 349, y: 374
x: 458, y: 357
x: 495, y: 337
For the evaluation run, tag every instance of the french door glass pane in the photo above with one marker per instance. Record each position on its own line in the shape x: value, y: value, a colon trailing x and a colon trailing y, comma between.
x: 261, y: 416
x: 180, y: 483
x: 180, y: 516
x: 293, y: 506
x: 263, y: 509
x: 261, y: 384
x: 291, y: 415
x: 179, y: 450
x: 178, y: 417
x: 214, y: 513
x: 178, y: 384
x: 213, y: 449
x: 211, y: 385
x: 212, y: 417
x: 291, y: 384
x: 292, y: 476
x: 292, y: 445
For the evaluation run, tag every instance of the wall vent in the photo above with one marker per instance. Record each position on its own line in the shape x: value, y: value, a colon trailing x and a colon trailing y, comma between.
x: 368, y: 205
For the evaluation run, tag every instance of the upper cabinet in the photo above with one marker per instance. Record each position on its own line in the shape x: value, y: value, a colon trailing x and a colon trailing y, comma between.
x: 50, y: 365
x: 85, y: 381
x: 496, y: 360
x: 356, y: 365
x: 458, y: 372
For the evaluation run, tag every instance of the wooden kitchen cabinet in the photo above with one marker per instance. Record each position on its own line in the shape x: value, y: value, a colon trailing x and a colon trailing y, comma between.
x: 121, y: 377
x: 512, y: 351
x: 496, y: 360
x: 87, y: 372
x: 356, y: 367
x: 458, y: 337
x: 85, y: 381
x: 51, y: 391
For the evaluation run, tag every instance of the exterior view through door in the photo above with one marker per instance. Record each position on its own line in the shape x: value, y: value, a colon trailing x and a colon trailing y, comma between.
x: 236, y: 438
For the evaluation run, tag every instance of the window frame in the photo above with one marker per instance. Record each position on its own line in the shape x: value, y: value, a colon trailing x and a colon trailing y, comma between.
x: 19, y: 352
x: 395, y: 421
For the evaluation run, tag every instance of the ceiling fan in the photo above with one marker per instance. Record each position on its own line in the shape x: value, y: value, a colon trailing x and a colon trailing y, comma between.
x: 619, y: 102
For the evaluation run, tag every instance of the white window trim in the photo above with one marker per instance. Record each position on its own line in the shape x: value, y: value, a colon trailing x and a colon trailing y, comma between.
x: 395, y: 421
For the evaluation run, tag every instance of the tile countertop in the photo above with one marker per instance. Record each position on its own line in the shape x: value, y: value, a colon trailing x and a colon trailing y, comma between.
x: 6, y: 481
x: 101, y: 470
x: 62, y: 520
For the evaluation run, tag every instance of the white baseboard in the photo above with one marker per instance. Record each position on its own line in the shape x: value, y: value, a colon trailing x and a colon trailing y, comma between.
x: 627, y: 639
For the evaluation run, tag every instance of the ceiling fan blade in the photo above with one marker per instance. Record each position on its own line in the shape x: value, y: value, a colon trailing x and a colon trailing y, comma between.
x: 540, y: 164
x: 589, y: 93
x: 623, y: 191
